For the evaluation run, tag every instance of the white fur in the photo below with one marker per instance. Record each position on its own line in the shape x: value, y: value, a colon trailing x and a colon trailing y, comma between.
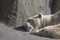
x: 54, y: 29
x: 42, y: 24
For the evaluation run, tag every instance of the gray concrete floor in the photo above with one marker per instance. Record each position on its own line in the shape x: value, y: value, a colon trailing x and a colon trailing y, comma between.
x: 7, y: 33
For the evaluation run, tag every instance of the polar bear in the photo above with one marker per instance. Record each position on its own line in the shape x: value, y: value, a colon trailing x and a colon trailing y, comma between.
x: 44, y: 25
x: 52, y: 29
x: 48, y: 31
x: 39, y: 21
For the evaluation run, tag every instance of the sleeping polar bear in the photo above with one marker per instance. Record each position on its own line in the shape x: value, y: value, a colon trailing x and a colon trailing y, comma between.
x: 37, y: 22
x: 40, y: 21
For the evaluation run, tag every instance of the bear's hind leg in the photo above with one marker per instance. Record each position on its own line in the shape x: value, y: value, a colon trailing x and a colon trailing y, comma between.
x: 42, y: 32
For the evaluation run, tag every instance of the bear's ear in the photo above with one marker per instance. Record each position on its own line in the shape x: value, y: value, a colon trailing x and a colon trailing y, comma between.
x: 39, y: 15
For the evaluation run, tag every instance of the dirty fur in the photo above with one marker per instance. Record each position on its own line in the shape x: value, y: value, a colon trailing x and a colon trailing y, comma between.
x: 44, y: 25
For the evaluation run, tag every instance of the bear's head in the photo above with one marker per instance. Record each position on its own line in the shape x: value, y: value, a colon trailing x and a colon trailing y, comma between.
x: 30, y: 24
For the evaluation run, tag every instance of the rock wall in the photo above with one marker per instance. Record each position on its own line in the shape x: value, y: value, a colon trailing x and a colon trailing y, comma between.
x: 16, y: 12
x: 27, y: 8
x: 55, y: 6
x: 8, y: 11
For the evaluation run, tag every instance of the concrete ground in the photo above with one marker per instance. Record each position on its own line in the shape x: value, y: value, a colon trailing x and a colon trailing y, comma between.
x: 7, y: 33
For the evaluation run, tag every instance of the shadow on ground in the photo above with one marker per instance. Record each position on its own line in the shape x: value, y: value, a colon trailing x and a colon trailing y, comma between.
x: 20, y: 28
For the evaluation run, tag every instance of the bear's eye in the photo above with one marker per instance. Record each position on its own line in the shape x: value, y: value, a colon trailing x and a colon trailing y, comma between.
x: 29, y: 27
x: 31, y: 21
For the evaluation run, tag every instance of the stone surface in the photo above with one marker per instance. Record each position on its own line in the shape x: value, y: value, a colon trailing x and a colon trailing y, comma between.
x: 7, y: 33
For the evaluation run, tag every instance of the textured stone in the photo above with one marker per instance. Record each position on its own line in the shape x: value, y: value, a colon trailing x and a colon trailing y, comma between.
x: 27, y: 8
x: 16, y: 12
x: 55, y: 6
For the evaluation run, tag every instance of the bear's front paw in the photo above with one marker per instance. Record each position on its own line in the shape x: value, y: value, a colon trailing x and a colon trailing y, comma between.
x: 35, y: 32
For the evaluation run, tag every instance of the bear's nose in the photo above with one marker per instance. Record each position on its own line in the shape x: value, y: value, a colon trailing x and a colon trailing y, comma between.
x: 25, y: 28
